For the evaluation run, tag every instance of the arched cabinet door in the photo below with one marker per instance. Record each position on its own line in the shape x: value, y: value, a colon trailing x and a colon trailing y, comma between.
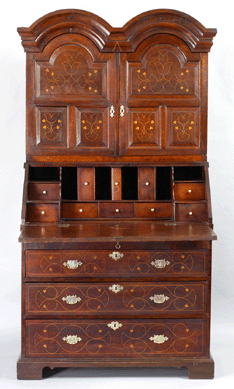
x: 161, y: 93
x: 68, y: 109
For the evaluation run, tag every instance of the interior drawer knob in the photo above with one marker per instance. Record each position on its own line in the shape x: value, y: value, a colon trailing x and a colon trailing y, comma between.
x: 117, y: 210
x: 116, y: 183
x: 80, y: 210
x: 190, y: 191
x: 152, y: 209
x: 43, y: 212
x: 147, y: 183
x: 86, y: 183
x: 44, y: 191
x: 190, y: 213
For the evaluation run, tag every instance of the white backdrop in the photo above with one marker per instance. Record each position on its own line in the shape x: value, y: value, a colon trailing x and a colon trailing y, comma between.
x: 220, y: 155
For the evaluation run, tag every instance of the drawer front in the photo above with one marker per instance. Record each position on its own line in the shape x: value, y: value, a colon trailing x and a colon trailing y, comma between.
x: 154, y: 210
x: 116, y: 338
x: 105, y: 263
x: 189, y: 191
x: 190, y: 212
x: 48, y: 192
x: 43, y: 213
x: 86, y: 183
x: 79, y: 210
x: 130, y: 298
x: 116, y: 210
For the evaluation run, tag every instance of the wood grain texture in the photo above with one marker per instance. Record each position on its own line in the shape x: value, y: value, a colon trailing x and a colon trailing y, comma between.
x: 116, y: 249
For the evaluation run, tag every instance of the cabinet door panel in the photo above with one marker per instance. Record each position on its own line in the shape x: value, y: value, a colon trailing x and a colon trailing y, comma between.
x: 73, y: 91
x: 161, y: 74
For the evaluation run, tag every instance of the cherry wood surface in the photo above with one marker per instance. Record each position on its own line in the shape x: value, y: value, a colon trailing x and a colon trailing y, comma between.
x: 117, y: 226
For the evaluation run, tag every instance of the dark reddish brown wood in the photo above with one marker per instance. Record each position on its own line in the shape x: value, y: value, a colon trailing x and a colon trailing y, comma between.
x: 79, y: 210
x: 191, y: 212
x: 43, y: 213
x: 43, y: 191
x: 79, y: 263
x: 116, y: 339
x: 154, y: 210
x: 189, y: 191
x: 116, y: 183
x: 162, y: 299
x: 116, y: 210
x: 86, y: 183
x: 126, y: 288
x: 146, y: 183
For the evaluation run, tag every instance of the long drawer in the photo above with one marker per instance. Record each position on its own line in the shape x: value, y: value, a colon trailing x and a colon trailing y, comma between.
x: 130, y: 298
x: 106, y: 263
x: 116, y: 338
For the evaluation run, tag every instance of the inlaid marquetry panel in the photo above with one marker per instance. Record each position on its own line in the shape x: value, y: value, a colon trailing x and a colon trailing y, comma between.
x: 183, y: 127
x: 163, y: 74
x: 51, y: 127
x: 141, y: 131
x: 122, y: 297
x: 94, y: 132
x: 122, y: 338
x: 49, y: 263
x: 69, y: 73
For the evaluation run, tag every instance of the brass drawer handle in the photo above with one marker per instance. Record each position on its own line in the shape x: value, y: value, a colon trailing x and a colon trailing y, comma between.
x: 72, y: 264
x: 72, y: 339
x: 160, y: 263
x: 159, y: 298
x: 159, y: 339
x: 115, y: 325
x: 116, y: 255
x: 71, y: 299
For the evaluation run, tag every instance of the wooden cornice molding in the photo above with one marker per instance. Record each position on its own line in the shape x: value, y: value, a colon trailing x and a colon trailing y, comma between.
x: 109, y: 39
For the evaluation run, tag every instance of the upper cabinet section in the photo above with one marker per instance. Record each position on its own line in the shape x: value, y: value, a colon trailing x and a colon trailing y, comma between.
x: 94, y: 90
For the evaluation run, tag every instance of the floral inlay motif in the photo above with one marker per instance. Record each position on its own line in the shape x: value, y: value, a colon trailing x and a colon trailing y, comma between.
x: 51, y: 123
x: 163, y: 75
x: 183, y: 125
x: 143, y: 126
x: 91, y: 124
x: 71, y: 75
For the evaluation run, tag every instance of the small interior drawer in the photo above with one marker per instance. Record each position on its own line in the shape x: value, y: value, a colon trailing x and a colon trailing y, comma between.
x: 116, y: 209
x: 44, y: 213
x: 45, y: 191
x: 79, y: 210
x: 158, y: 210
x: 189, y: 191
x: 191, y: 212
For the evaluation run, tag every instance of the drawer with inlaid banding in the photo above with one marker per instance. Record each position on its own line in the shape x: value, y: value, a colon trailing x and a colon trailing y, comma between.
x: 123, y: 338
x: 116, y: 263
x: 109, y: 298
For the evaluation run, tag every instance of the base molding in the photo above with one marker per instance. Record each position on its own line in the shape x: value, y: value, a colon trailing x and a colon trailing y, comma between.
x: 32, y: 368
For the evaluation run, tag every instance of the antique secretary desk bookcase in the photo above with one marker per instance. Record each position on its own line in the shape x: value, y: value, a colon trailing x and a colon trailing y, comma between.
x: 116, y: 219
